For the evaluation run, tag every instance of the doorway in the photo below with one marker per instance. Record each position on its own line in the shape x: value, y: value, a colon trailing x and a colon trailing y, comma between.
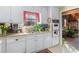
x: 70, y: 27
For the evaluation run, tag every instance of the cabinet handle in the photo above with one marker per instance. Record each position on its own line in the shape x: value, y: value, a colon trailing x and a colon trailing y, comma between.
x: 36, y: 40
x: 17, y: 39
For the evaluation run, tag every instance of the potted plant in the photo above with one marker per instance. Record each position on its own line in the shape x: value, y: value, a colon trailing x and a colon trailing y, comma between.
x: 36, y: 28
x: 4, y: 29
x: 72, y: 32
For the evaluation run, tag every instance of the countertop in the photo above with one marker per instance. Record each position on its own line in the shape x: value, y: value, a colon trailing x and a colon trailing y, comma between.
x: 20, y: 34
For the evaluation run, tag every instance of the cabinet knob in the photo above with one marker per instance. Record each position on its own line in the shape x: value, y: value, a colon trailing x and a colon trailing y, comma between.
x: 17, y: 39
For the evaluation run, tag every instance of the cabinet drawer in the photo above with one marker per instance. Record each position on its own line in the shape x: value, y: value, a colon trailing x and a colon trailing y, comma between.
x: 16, y: 45
x: 15, y: 39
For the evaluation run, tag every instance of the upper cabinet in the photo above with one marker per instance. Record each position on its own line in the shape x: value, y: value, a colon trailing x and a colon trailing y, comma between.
x: 14, y: 14
x: 54, y: 12
x: 4, y: 14
x: 17, y: 14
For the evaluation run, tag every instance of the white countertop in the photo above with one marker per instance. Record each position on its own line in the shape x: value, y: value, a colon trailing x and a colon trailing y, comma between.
x: 20, y: 34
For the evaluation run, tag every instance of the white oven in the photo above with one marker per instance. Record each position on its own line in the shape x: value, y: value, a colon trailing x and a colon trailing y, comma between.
x: 54, y: 26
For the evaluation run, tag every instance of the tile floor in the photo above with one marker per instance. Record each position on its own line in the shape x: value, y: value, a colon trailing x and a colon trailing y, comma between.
x: 66, y: 48
x: 71, y: 45
x: 74, y: 42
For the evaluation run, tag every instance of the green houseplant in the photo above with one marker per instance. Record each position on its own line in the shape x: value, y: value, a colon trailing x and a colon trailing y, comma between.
x: 72, y: 32
x: 4, y: 29
x: 36, y: 27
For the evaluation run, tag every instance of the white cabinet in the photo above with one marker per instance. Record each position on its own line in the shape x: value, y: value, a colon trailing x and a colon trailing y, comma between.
x: 39, y: 42
x: 34, y: 43
x: 55, y: 40
x: 4, y: 14
x: 0, y: 46
x: 30, y: 44
x: 47, y: 41
x: 17, y: 14
x: 16, y: 44
x: 55, y: 13
x: 51, y: 39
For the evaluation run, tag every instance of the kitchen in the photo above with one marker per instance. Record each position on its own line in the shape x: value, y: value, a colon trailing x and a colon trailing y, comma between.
x: 29, y: 28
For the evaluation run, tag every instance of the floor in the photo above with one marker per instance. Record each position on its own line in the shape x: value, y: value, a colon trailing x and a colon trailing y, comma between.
x: 71, y: 45
x: 66, y: 48
x: 74, y: 42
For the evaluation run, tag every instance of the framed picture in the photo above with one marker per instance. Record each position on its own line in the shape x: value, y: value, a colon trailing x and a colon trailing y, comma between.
x: 30, y: 18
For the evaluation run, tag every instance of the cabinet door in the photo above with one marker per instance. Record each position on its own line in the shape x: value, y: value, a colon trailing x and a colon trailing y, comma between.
x: 55, y: 41
x: 47, y: 41
x: 39, y: 43
x: 0, y: 46
x: 15, y: 44
x: 30, y: 44
x: 17, y: 14
x: 4, y: 13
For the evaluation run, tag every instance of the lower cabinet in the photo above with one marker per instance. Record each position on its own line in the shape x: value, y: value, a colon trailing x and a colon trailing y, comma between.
x: 1, y: 40
x: 0, y: 47
x: 39, y: 42
x: 30, y: 44
x: 55, y: 40
x: 16, y: 44
x: 47, y: 41
x: 34, y: 43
